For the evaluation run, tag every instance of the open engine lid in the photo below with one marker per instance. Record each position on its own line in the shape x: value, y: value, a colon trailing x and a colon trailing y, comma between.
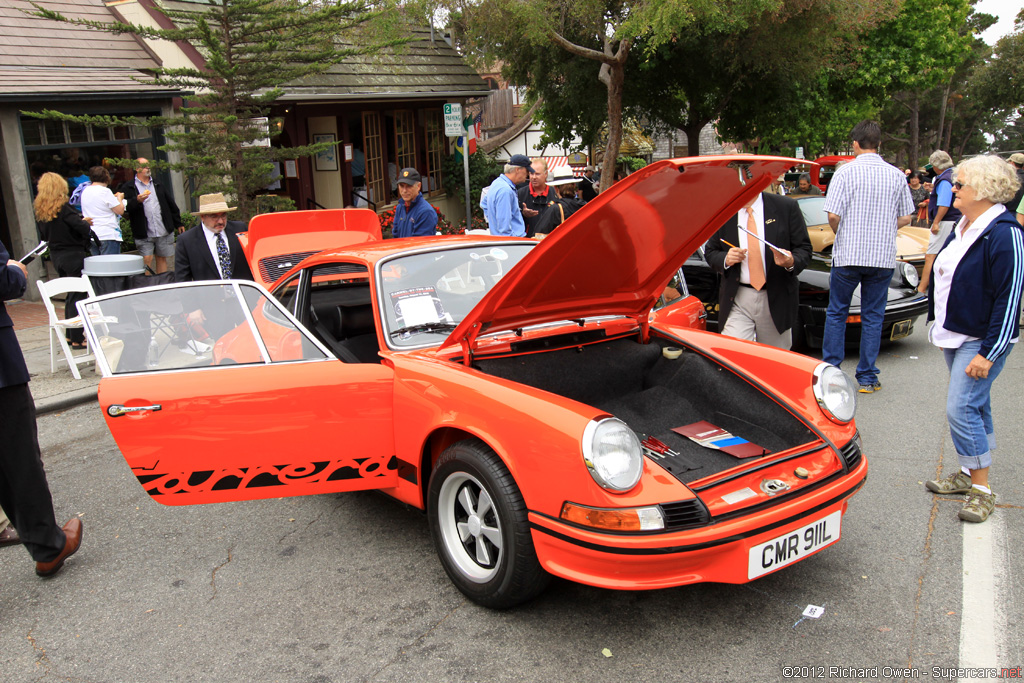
x: 277, y: 241
x: 615, y: 255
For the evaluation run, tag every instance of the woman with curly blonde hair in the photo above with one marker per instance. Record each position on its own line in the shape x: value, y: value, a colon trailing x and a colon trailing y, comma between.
x: 974, y: 299
x: 68, y: 236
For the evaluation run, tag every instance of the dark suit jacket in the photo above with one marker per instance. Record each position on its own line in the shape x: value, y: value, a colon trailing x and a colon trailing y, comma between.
x: 193, y: 260
x: 137, y: 213
x: 784, y: 227
x: 13, y: 370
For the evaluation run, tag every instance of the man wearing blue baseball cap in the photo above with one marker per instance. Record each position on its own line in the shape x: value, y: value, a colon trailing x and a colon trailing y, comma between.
x: 501, y: 204
x: 414, y: 215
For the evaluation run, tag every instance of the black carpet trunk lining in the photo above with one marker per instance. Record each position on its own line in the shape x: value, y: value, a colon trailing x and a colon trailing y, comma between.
x: 653, y: 394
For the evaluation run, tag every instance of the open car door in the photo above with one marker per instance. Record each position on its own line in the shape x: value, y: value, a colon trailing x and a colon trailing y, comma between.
x: 213, y: 392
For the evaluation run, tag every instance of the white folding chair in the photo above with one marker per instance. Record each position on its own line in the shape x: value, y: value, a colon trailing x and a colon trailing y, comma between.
x: 58, y: 326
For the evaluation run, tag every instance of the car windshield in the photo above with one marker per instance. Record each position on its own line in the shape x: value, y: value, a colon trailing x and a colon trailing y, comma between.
x: 813, y: 209
x: 424, y: 296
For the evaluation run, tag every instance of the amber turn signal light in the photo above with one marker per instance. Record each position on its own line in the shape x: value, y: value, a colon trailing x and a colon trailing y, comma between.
x: 614, y: 519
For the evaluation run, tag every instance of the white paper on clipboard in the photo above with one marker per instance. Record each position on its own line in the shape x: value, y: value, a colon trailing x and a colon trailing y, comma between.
x: 778, y: 249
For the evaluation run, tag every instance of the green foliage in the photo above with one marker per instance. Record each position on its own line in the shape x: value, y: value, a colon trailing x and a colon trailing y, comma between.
x: 483, y: 168
x: 634, y: 164
x: 919, y: 48
x: 692, y: 61
x: 252, y: 48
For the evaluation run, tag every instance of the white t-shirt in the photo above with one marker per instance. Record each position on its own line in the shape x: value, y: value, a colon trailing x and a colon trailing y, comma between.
x: 98, y: 203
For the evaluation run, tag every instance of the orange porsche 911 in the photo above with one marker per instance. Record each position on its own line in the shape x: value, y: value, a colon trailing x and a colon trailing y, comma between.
x: 530, y: 397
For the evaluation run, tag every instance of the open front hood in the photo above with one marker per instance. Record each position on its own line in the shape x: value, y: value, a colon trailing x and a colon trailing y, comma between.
x: 615, y: 255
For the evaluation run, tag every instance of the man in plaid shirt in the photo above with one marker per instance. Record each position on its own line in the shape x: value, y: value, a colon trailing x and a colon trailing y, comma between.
x: 868, y: 200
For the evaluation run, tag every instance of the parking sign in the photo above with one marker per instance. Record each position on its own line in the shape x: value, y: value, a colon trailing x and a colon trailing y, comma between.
x: 453, y: 120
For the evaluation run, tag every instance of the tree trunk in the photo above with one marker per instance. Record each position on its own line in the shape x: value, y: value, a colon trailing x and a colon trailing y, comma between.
x: 693, y: 138
x: 615, y: 73
x: 942, y: 116
x: 914, y: 153
x: 949, y: 126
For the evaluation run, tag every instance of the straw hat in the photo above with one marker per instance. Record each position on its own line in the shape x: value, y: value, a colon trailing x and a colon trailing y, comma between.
x: 213, y: 203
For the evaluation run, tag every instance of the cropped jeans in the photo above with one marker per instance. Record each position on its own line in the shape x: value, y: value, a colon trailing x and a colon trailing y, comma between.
x: 874, y: 292
x: 969, y: 406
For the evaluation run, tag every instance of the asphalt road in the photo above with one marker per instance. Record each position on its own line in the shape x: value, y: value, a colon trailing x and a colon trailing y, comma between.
x: 347, y: 587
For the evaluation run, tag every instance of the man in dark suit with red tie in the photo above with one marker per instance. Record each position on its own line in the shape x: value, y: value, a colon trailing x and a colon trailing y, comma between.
x: 211, y: 250
x: 759, y: 291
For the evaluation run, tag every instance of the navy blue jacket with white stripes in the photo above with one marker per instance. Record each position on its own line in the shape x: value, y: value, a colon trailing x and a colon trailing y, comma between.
x: 984, y: 297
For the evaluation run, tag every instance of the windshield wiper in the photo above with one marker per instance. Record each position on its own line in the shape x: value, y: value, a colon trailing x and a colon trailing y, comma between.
x: 425, y: 327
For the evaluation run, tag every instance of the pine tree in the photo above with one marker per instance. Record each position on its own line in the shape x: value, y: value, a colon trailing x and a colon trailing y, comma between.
x: 252, y: 49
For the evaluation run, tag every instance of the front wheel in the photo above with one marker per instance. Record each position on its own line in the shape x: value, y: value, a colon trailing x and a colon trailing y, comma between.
x: 479, y: 524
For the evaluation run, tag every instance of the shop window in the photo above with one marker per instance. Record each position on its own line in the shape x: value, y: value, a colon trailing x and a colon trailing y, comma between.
x: 435, y: 140
x: 31, y: 132
x: 373, y: 149
x: 79, y: 132
x: 405, y: 140
x: 71, y: 149
x: 53, y: 133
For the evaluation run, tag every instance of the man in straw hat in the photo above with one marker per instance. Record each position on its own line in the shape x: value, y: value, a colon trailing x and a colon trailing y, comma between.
x: 211, y: 250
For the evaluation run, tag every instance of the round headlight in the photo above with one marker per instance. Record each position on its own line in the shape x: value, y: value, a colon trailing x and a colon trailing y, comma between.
x: 836, y: 395
x: 910, y: 275
x: 612, y: 453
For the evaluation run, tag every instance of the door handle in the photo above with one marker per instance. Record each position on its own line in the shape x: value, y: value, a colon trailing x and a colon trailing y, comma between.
x: 118, y: 411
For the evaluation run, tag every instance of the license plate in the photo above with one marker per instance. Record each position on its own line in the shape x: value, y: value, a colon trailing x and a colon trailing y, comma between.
x: 900, y: 330
x: 796, y: 545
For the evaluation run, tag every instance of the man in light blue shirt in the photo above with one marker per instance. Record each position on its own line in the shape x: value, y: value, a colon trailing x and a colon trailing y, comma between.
x: 867, y: 201
x: 501, y: 204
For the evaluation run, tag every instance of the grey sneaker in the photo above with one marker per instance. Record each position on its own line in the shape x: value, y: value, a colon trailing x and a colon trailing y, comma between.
x: 978, y: 506
x: 958, y: 482
x: 870, y: 388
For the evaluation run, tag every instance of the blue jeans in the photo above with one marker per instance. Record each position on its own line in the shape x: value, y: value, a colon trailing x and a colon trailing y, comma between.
x: 874, y: 292
x: 107, y: 247
x: 969, y: 406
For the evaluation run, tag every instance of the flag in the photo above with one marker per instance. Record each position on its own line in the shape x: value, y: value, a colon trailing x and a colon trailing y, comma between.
x: 472, y: 126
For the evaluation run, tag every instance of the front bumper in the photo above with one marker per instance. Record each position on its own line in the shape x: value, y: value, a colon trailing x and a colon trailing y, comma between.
x: 896, y: 312
x: 718, y: 552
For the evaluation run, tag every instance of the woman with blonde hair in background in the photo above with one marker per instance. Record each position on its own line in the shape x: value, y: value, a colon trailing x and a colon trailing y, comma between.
x: 67, y: 234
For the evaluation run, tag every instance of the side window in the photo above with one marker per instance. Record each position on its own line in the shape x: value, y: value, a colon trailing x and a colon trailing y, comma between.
x: 675, y: 290
x: 282, y: 339
x: 341, y: 313
x: 286, y: 294
x: 171, y: 329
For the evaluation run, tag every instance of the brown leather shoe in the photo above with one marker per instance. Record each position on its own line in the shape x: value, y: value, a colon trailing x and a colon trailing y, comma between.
x: 73, y: 534
x: 9, y: 536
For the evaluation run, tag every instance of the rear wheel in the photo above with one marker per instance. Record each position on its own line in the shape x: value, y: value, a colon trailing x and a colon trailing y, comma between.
x: 479, y: 524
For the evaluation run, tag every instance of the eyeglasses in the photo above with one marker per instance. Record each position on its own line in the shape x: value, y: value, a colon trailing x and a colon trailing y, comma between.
x: 958, y: 185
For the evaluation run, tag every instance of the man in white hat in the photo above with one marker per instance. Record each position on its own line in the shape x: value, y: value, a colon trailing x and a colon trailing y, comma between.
x: 211, y: 250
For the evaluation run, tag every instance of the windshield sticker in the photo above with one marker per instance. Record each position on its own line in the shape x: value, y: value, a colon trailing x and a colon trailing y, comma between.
x: 499, y: 254
x: 418, y: 306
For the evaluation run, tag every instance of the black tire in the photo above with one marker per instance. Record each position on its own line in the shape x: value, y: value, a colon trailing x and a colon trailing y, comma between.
x: 490, y: 557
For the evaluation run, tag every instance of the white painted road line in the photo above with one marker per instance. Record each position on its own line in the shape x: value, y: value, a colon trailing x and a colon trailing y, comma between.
x: 980, y: 627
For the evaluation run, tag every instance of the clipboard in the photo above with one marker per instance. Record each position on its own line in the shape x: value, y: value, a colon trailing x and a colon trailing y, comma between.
x: 787, y: 252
